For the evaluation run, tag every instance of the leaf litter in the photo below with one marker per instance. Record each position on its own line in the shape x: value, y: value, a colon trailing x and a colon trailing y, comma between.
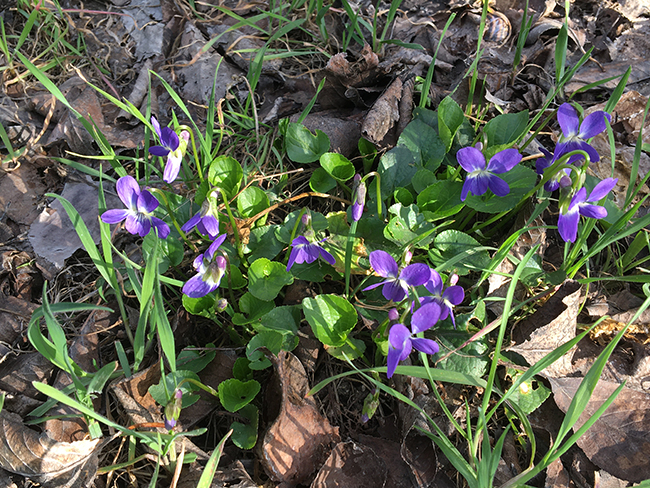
x: 370, y: 89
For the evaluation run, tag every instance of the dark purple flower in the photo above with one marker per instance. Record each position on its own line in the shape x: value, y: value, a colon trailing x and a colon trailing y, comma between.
x: 304, y: 251
x: 139, y: 212
x: 401, y: 340
x: 358, y: 197
x: 567, y: 222
x: 575, y: 133
x: 172, y: 147
x: 210, y: 269
x: 397, y: 283
x: 561, y: 179
x: 447, y: 299
x: 205, y: 220
x: 481, y: 177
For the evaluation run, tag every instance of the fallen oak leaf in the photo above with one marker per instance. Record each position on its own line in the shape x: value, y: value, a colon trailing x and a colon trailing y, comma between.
x: 619, y: 441
x: 25, y: 452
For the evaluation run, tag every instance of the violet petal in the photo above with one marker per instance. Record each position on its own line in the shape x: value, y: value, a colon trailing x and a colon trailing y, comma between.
x: 195, y: 287
x: 128, y: 190
x: 426, y: 346
x: 593, y: 211
x: 498, y: 186
x: 593, y: 124
x: 162, y: 229
x: 601, y: 190
x: 567, y: 225
x: 471, y: 159
x: 425, y: 317
x: 568, y: 119
x: 114, y: 216
x: 190, y: 224
x: 384, y: 264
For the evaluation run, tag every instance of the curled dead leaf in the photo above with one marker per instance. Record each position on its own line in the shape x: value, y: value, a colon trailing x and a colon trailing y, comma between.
x: 298, y: 442
x: 26, y: 452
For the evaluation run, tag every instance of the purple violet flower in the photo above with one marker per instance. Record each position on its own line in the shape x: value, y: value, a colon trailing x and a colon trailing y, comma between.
x: 304, y: 251
x: 401, y: 340
x: 481, y: 177
x: 396, y: 285
x: 139, y: 212
x: 171, y: 146
x: 359, y: 197
x: 205, y: 220
x: 447, y: 299
x: 210, y: 269
x: 561, y: 180
x: 567, y: 222
x: 575, y: 133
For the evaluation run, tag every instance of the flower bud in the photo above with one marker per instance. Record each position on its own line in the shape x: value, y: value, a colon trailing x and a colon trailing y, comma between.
x: 358, y: 197
x: 393, y: 315
x: 222, y: 303
x: 173, y: 410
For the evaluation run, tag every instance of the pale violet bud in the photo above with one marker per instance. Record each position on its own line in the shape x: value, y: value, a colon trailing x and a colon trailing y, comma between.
x: 393, y: 315
x: 358, y: 198
x: 222, y: 303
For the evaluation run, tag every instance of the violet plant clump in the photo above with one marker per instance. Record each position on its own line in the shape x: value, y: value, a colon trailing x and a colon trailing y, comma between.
x: 434, y: 231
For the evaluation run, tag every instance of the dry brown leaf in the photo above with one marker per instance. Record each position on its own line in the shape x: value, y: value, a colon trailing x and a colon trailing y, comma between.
x: 548, y: 328
x: 344, y: 132
x: 557, y: 475
x: 398, y: 475
x: 24, y: 451
x: 619, y: 441
x: 20, y: 193
x: 53, y: 235
x: 357, y: 74
x: 299, y: 440
x: 383, y: 114
x: 351, y: 465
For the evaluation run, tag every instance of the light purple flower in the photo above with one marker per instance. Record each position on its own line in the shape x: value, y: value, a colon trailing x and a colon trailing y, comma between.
x: 171, y: 146
x: 304, y: 251
x: 359, y: 197
x: 205, y: 220
x: 481, y: 177
x: 567, y: 223
x: 210, y: 269
x: 139, y: 212
x: 401, y: 340
x: 447, y: 299
x: 397, y: 283
x: 575, y: 133
x: 561, y: 179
